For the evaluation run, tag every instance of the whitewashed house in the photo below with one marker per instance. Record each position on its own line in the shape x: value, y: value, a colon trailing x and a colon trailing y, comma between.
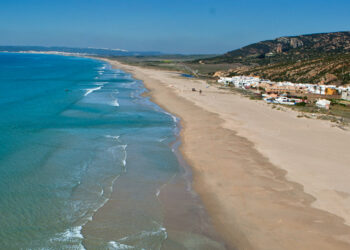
x: 345, y: 94
x: 323, y: 103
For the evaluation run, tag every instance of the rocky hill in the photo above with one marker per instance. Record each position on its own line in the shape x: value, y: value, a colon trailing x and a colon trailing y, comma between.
x: 316, y: 58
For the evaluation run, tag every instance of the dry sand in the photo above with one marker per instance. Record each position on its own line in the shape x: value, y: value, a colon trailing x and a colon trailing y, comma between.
x: 268, y: 179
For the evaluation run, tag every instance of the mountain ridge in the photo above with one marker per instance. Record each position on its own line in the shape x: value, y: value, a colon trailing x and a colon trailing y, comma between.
x: 315, y: 58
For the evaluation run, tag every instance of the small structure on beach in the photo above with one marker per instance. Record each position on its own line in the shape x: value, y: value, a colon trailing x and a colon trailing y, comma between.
x: 345, y: 95
x: 323, y: 103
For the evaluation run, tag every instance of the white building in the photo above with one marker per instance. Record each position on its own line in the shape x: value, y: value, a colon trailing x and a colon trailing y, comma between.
x: 323, y: 103
x: 250, y: 81
x: 345, y: 94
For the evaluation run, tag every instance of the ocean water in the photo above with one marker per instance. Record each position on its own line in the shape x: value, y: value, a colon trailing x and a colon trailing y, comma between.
x: 81, y: 148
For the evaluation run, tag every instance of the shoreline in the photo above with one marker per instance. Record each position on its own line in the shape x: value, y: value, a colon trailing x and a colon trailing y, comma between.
x: 253, y: 203
x: 275, y: 181
x: 185, y: 224
x: 189, y: 226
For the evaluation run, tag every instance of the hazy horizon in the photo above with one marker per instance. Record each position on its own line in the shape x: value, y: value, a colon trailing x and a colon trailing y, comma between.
x: 162, y: 52
x: 186, y: 27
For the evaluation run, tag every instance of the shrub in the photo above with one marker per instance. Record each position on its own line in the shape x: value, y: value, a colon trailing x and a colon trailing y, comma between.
x: 300, y: 104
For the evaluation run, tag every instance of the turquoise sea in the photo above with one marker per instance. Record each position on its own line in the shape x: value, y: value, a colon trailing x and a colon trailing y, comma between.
x: 73, y: 132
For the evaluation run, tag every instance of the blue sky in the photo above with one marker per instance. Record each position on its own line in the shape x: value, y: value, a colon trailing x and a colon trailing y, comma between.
x: 177, y: 26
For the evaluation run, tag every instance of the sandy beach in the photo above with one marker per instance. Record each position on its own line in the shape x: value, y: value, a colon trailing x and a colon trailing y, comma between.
x: 268, y: 179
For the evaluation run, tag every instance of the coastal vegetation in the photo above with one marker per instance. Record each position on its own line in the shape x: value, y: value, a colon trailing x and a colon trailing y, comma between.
x: 182, y: 63
x: 317, y: 58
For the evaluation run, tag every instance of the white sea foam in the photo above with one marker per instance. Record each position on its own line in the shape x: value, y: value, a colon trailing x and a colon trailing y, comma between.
x: 116, y: 245
x: 175, y: 119
x: 105, y: 200
x: 162, y: 139
x: 115, y: 103
x: 74, y: 235
x: 162, y: 186
x: 89, y: 91
x: 71, y: 235
x: 100, y: 83
x: 142, y: 237
x: 112, y: 150
x: 106, y: 196
x: 74, y: 232
x: 125, y: 156
x: 115, y: 137
x: 111, y: 187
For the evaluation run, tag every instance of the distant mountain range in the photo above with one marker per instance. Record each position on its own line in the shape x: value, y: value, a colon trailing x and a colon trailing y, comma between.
x: 315, y: 58
x: 87, y: 51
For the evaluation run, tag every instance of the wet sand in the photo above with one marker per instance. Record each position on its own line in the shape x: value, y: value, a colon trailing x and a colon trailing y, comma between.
x: 152, y: 210
x: 268, y: 179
